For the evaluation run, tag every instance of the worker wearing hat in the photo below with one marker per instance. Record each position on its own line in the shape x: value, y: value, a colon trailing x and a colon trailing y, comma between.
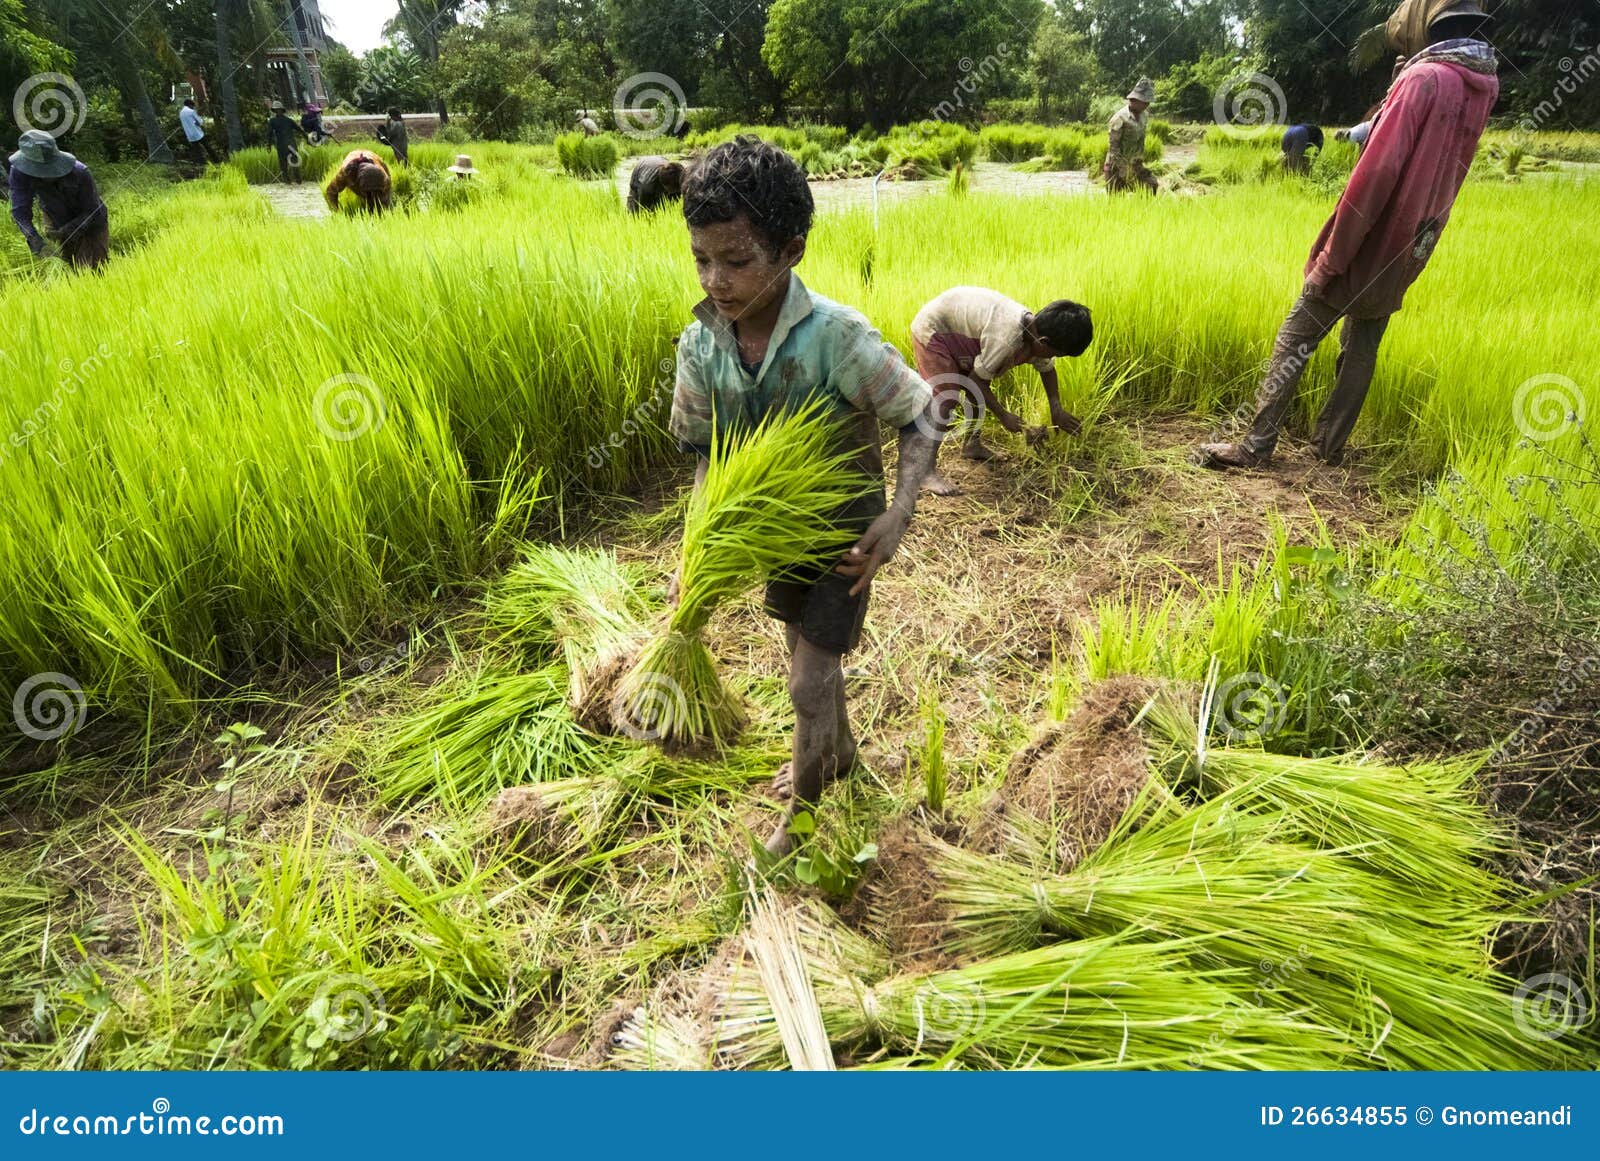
x: 463, y: 168
x: 64, y: 188
x: 1124, y: 168
x: 1386, y: 225
x: 285, y: 136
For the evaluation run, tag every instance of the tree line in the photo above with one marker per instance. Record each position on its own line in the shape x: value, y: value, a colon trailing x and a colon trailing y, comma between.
x: 512, y: 67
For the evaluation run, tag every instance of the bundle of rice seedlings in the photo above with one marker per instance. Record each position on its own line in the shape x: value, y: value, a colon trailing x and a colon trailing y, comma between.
x: 774, y: 943
x: 1106, y: 1003
x: 552, y: 821
x: 769, y: 503
x: 581, y: 604
x: 1402, y: 977
x: 723, y: 1017
x: 504, y: 730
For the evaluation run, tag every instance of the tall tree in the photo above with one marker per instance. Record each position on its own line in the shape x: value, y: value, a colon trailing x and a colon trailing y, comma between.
x: 424, y: 24
x: 95, y: 33
x: 227, y: 91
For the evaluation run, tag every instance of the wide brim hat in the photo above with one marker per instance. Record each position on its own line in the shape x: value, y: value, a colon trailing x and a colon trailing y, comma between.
x: 1408, y: 28
x: 39, y: 156
x: 463, y: 165
x: 1144, y: 91
x: 277, y: 106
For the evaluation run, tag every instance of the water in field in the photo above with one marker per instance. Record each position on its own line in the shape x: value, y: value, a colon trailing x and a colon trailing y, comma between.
x: 296, y: 201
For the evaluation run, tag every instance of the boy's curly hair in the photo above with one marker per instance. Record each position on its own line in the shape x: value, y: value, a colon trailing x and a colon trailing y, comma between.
x: 747, y: 177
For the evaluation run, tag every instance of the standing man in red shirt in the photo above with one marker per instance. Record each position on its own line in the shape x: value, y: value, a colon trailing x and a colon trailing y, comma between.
x: 1385, y: 226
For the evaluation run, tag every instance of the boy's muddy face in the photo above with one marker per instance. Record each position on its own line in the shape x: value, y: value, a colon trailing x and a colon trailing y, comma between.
x: 739, y: 274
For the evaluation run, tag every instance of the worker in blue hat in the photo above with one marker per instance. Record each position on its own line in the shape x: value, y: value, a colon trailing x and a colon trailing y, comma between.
x: 64, y: 188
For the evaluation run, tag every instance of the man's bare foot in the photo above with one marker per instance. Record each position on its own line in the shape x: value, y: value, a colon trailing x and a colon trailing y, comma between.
x: 937, y: 485
x: 1227, y: 455
x: 783, y: 780
x: 976, y: 449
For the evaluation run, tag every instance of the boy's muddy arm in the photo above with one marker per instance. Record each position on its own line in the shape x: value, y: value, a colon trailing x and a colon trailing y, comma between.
x: 1012, y: 423
x: 1059, y: 415
x: 674, y: 584
x: 877, y: 545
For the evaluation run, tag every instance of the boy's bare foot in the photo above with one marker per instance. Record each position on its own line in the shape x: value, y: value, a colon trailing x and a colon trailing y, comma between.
x: 781, y: 842
x: 935, y: 484
x: 783, y: 780
x: 976, y: 449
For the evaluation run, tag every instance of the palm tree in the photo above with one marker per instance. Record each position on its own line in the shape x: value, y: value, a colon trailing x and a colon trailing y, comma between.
x: 228, y: 93
x: 93, y: 32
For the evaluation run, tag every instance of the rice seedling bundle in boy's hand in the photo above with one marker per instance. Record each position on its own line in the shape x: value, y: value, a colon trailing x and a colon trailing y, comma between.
x: 770, y: 503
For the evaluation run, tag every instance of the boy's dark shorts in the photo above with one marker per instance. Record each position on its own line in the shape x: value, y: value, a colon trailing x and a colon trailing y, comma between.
x: 817, y: 601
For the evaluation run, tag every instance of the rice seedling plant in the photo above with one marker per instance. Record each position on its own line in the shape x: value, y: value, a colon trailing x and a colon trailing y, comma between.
x: 586, y: 157
x: 503, y: 729
x: 581, y: 605
x: 292, y: 955
x: 767, y: 505
x: 1309, y: 897
x: 1102, y: 1003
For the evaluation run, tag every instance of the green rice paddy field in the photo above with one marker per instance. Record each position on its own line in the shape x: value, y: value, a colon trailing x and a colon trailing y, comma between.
x: 1286, y: 770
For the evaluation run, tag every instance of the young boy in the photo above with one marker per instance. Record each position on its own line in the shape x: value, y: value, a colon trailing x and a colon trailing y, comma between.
x: 762, y: 342
x: 968, y: 337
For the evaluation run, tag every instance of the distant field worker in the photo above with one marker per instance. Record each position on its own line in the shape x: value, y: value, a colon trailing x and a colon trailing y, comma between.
x: 393, y: 134
x: 1385, y: 227
x: 588, y: 124
x: 1125, y: 168
x: 363, y: 173
x: 194, y: 132
x: 65, y: 191
x: 1298, y: 140
x: 968, y: 337
x: 284, y: 135
x: 463, y: 168
x: 655, y: 181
